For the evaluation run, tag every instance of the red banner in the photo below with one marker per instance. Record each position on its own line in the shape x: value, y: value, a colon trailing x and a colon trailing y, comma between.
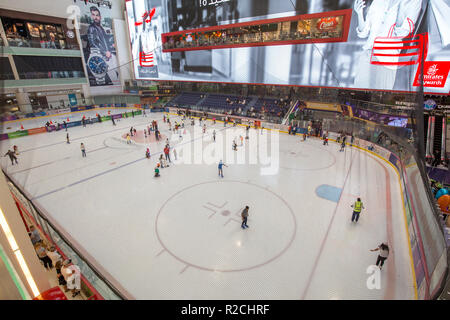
x: 435, y: 74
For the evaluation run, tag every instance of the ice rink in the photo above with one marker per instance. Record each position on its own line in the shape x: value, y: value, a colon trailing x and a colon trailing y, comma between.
x: 179, y: 236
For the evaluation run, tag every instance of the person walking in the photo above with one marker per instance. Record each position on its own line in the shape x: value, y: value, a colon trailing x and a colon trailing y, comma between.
x: 244, y: 216
x: 72, y: 276
x: 34, y: 235
x: 42, y: 255
x: 53, y: 255
x: 383, y: 255
x: 12, y: 157
x: 221, y: 165
x: 357, y: 208
x: 83, y: 150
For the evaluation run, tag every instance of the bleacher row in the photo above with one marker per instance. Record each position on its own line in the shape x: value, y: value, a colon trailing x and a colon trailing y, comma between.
x: 219, y: 103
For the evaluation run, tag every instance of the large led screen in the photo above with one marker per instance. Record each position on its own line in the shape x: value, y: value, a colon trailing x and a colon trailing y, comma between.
x: 384, y: 49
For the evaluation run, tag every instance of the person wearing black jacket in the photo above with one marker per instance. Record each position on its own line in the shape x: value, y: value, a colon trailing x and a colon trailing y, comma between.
x: 12, y: 156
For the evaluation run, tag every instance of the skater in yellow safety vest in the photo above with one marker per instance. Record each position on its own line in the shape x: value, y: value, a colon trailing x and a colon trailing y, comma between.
x: 357, y: 207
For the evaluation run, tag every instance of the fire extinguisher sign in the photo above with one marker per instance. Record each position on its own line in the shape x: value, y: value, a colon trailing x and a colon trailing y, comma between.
x: 435, y: 74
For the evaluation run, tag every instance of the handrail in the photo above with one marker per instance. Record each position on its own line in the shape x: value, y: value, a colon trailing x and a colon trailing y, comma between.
x: 94, y: 269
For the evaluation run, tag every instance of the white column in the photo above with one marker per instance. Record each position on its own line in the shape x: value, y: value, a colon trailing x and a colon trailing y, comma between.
x: 24, y: 101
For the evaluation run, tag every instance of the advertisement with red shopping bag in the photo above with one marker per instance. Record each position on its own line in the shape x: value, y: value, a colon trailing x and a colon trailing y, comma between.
x: 400, y: 51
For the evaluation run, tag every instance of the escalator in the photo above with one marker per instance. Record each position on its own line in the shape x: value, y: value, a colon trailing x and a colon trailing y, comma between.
x: 437, y: 143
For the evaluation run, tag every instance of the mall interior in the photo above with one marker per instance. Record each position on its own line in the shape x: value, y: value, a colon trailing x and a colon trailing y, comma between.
x: 325, y: 75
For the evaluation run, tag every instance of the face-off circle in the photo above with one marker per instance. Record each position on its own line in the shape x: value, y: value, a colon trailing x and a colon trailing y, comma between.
x: 207, y: 235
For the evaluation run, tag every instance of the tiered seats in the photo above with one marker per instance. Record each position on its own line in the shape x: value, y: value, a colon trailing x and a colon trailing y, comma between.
x: 186, y: 99
x: 219, y: 102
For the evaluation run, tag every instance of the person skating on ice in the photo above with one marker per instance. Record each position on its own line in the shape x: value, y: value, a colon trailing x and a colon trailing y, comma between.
x: 67, y: 138
x: 357, y: 208
x: 214, y: 135
x: 220, y: 166
x: 12, y: 156
x: 157, y: 170
x: 147, y: 153
x: 83, y: 150
x: 244, y: 216
x: 175, y: 154
x: 383, y: 255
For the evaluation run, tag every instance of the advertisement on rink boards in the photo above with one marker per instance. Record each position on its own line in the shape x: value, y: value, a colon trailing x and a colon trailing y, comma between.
x: 97, y: 39
x: 387, y: 40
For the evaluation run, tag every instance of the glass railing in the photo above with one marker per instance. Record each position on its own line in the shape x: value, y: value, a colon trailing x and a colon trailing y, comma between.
x: 51, y: 75
x: 31, y: 43
x: 425, y: 222
x: 96, y: 287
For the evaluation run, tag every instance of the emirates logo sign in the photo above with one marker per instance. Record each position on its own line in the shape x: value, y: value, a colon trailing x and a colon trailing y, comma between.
x: 327, y: 23
x: 432, y: 70
x: 435, y: 74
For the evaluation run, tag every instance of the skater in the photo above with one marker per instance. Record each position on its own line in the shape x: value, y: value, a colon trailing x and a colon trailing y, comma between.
x: 163, y: 162
x: 204, y: 128
x: 134, y: 131
x: 357, y: 207
x: 12, y: 157
x: 143, y: 113
x: 325, y: 140
x: 234, y: 145
x: 352, y: 139
x: 112, y: 119
x: 242, y: 140
x: 147, y: 153
x: 304, y: 137
x: 164, y: 118
x: 343, y: 143
x: 83, y: 121
x: 145, y: 133
x: 128, y: 138
x: 65, y: 125
x: 157, y: 170
x: 214, y: 135
x: 221, y: 165
x: 131, y: 131
x: 67, y: 138
x: 244, y: 216
x: 83, y: 150
x: 157, y: 135
x: 16, y: 150
x: 99, y: 118
x: 383, y: 255
x: 167, y: 152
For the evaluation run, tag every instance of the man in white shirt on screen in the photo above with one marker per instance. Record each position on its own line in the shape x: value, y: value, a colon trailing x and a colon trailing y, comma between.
x: 380, y: 17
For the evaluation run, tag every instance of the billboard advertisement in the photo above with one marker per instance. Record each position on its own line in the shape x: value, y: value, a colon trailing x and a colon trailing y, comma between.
x: 97, y: 39
x: 381, y: 46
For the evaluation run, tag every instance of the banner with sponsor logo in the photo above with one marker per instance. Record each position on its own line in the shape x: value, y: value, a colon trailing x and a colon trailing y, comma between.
x: 97, y: 39
x: 383, y: 46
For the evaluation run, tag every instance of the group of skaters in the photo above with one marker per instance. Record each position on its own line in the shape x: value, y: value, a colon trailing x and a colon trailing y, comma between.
x: 383, y: 247
x: 164, y: 158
